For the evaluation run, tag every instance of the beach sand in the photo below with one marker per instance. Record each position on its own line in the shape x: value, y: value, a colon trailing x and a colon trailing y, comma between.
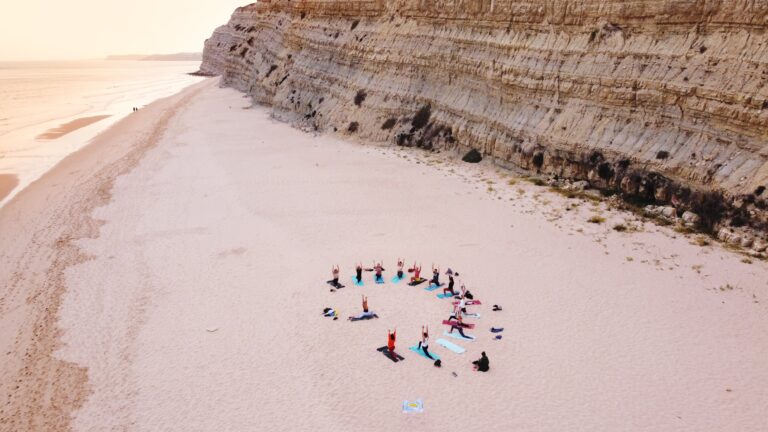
x: 171, y: 276
x: 7, y: 183
x: 70, y: 127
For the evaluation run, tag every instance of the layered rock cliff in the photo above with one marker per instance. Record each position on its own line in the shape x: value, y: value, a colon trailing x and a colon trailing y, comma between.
x: 662, y: 100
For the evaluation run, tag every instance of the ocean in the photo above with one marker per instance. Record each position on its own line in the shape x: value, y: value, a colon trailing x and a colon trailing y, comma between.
x: 50, y: 109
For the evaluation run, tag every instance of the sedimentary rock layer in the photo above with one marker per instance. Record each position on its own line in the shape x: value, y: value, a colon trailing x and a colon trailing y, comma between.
x: 662, y: 100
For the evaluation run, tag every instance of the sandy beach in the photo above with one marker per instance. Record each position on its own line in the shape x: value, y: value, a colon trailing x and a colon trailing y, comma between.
x: 171, y: 276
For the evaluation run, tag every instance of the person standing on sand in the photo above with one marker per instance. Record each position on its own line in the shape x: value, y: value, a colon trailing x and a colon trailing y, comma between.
x: 378, y: 268
x: 424, y: 344
x: 391, y: 336
x: 482, y: 364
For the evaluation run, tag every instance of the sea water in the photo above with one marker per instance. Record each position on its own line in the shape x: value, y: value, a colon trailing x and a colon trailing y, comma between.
x: 38, y: 97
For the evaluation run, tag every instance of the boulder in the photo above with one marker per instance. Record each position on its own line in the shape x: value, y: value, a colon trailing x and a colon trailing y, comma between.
x: 691, y: 218
x: 472, y: 156
x: 669, y: 212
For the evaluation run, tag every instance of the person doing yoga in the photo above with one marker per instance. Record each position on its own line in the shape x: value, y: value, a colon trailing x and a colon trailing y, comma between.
x: 435, y: 276
x: 424, y: 344
x: 416, y: 273
x: 378, y: 269
x: 366, y: 315
x: 391, y: 336
x: 459, y: 325
x: 359, y: 272
x: 400, y: 265
x: 335, y: 274
x: 450, y: 283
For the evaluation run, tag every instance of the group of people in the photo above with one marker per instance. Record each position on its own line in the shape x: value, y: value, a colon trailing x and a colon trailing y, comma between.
x: 455, y: 320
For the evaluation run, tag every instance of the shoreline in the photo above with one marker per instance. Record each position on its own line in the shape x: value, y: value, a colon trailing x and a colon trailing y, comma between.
x: 43, y: 391
x: 8, y: 183
x: 211, y: 193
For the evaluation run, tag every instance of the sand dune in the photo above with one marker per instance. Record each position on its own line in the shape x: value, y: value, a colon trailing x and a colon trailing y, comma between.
x: 199, y: 305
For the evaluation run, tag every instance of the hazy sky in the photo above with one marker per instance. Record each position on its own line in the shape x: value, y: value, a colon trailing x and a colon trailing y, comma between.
x: 75, y: 29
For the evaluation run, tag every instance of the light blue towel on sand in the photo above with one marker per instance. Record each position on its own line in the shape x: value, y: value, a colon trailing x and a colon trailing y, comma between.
x: 420, y: 352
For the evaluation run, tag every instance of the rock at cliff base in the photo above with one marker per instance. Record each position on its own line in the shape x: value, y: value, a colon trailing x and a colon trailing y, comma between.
x: 472, y: 156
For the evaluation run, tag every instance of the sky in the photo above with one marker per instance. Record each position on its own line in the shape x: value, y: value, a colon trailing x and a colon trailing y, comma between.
x: 87, y: 29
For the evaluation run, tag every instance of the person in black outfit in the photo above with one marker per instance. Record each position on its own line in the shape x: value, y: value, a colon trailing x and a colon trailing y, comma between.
x: 482, y: 364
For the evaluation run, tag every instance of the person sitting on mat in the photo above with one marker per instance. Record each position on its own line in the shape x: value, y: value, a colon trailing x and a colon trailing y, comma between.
x: 435, y: 276
x: 450, y: 283
x: 378, y: 268
x: 400, y: 265
x: 366, y: 315
x: 416, y: 273
x: 482, y: 363
x: 359, y: 272
x: 424, y: 344
x: 391, y: 336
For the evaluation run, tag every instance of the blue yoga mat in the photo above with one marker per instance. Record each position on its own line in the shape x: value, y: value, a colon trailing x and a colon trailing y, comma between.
x: 379, y: 280
x: 433, y: 287
x: 354, y: 279
x: 419, y: 351
x: 396, y: 279
x: 444, y: 296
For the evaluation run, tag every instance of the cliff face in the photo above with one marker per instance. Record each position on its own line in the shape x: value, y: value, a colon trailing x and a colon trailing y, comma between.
x: 663, y: 100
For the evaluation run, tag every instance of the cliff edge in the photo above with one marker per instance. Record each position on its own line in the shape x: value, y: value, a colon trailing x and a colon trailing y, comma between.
x: 663, y: 101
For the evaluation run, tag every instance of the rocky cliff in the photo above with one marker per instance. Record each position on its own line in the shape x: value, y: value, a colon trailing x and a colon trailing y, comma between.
x: 662, y: 100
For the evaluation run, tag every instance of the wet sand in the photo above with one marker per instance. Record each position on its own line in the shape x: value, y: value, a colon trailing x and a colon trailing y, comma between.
x: 7, y: 183
x: 66, y: 128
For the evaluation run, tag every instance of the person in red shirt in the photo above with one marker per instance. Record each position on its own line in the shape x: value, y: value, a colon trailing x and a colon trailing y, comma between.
x: 391, y: 336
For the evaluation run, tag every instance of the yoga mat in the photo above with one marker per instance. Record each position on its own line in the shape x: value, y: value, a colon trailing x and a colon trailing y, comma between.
x: 417, y: 282
x: 420, y: 352
x: 396, y: 279
x: 450, y: 346
x: 433, y: 287
x: 337, y: 285
x: 354, y: 279
x: 459, y: 337
x: 455, y: 323
x: 444, y: 296
x: 469, y: 303
x: 395, y: 357
x: 379, y: 280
